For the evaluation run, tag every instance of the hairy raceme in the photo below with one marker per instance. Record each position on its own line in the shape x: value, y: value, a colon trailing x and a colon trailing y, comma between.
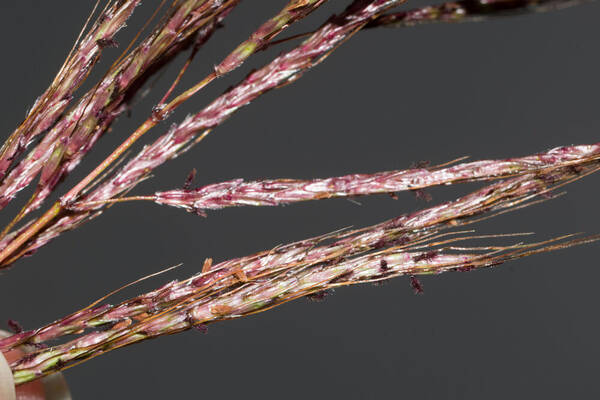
x: 423, y: 242
x: 274, y: 192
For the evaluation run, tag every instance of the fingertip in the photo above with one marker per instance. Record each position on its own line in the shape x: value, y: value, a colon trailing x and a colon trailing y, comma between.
x: 51, y: 387
x: 7, y: 386
x: 55, y: 387
x: 27, y: 391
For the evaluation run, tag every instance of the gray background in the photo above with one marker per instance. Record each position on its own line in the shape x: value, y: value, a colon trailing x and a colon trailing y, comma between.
x: 385, y: 99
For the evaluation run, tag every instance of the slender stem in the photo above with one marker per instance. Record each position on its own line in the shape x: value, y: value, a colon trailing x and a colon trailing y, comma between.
x: 173, y: 104
x: 117, y: 200
x: 179, y: 76
x: 19, y: 216
x: 138, y: 133
x: 289, y: 38
x: 29, y: 232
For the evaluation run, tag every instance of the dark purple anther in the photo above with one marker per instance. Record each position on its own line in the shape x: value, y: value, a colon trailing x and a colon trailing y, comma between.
x: 15, y: 326
x: 416, y: 285
x: 26, y: 358
x: 202, y: 328
x: 103, y: 43
x: 401, y: 241
x: 421, y: 194
x: 190, y: 178
x: 383, y: 264
x: 423, y: 164
x: 319, y: 296
x: 200, y: 212
x: 380, y: 244
x: 428, y: 256
x: 575, y: 169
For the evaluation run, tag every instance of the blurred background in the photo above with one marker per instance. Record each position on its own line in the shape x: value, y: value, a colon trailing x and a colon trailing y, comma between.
x: 385, y: 99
